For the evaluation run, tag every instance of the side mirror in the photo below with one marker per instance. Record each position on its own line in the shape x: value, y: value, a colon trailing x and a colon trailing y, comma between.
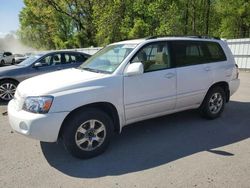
x: 134, y: 69
x: 38, y: 64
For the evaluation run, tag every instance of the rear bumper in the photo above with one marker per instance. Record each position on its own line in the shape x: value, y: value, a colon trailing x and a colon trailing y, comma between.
x: 234, y: 86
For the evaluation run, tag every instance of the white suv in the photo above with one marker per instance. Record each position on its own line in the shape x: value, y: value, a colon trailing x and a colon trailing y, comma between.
x: 124, y: 83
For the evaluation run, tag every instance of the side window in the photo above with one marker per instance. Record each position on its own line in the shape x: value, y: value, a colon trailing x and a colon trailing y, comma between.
x: 79, y: 58
x: 186, y: 53
x: 8, y: 53
x: 47, y: 61
x: 57, y: 59
x: 216, y: 52
x: 153, y: 56
x: 67, y: 59
x: 73, y: 58
x: 50, y: 60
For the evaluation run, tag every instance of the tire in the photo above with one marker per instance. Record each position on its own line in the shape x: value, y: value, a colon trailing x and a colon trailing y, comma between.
x: 7, y: 90
x: 90, y: 143
x: 214, y: 103
x: 2, y: 63
x: 13, y: 62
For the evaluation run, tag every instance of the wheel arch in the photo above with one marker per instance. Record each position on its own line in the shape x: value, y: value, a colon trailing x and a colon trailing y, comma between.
x: 12, y: 79
x: 106, y: 107
x: 224, y: 85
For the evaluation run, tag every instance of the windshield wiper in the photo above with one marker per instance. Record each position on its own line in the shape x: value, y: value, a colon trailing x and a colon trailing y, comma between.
x: 94, y: 70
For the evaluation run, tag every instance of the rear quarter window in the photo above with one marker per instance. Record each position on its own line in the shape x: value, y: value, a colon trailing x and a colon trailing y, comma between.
x: 215, y: 51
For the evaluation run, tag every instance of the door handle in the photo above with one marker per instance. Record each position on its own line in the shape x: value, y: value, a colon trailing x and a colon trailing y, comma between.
x: 207, y: 69
x: 169, y: 75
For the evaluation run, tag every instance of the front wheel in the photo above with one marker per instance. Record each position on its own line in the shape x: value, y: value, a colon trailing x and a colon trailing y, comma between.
x: 7, y: 90
x: 13, y: 62
x: 213, y: 104
x: 87, y: 133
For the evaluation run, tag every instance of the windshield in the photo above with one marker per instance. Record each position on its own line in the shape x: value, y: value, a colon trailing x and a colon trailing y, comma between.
x: 108, y: 59
x: 29, y: 60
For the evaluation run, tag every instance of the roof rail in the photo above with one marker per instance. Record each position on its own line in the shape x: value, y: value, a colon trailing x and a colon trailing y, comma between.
x: 188, y: 36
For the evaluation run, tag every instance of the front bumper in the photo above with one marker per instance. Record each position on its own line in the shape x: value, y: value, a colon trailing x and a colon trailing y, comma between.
x: 43, y: 127
x: 234, y: 86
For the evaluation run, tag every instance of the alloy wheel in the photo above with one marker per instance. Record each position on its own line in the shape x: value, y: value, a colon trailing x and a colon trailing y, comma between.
x: 7, y: 91
x: 90, y: 135
x: 215, y: 103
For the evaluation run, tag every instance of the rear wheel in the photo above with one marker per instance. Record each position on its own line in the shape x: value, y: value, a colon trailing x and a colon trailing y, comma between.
x: 7, y: 90
x: 213, y: 104
x: 87, y: 133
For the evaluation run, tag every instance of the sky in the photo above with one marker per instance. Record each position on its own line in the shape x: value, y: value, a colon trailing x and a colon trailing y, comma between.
x: 9, y: 10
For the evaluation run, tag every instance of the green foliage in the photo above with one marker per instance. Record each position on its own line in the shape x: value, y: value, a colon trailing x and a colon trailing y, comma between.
x: 236, y: 18
x: 56, y: 24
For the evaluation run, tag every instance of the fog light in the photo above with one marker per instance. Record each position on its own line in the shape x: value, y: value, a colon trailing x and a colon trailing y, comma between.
x: 23, y: 126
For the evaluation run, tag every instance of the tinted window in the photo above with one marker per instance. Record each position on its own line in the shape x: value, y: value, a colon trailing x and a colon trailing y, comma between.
x: 216, y: 52
x: 8, y: 53
x: 187, y: 53
x: 153, y: 56
x: 79, y: 58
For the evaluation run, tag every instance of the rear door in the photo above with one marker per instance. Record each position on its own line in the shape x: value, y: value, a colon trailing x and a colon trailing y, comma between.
x: 193, y: 76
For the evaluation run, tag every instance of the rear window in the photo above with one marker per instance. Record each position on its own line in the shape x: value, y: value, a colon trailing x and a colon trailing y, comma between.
x: 187, y: 53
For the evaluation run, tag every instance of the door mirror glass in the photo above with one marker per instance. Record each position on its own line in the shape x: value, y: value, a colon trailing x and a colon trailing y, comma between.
x: 38, y: 64
x: 134, y: 69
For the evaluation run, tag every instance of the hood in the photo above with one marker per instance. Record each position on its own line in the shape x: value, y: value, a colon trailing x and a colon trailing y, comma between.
x: 8, y: 70
x: 56, y: 82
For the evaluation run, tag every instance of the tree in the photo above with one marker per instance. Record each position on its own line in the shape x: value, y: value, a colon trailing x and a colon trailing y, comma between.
x: 235, y: 18
x: 51, y: 24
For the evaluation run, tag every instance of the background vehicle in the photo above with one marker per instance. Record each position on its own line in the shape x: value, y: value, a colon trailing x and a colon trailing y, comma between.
x: 6, y: 58
x: 18, y: 58
x: 11, y: 76
x: 125, y: 82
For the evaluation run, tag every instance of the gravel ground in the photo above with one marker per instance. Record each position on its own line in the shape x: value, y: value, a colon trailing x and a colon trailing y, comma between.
x: 179, y: 150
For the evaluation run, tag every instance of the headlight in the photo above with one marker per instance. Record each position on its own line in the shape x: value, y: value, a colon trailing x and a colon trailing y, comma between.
x: 39, y: 105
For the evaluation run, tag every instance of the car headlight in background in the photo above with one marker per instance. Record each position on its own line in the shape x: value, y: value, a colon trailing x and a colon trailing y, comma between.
x: 39, y: 104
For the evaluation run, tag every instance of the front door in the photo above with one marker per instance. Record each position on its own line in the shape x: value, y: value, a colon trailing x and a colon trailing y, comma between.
x: 154, y: 92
